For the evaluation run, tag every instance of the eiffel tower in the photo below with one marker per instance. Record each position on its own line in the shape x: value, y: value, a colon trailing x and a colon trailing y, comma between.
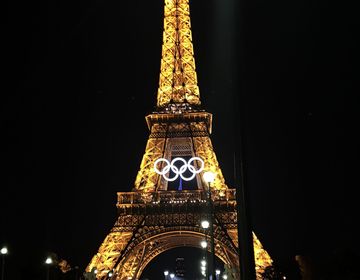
x: 160, y: 214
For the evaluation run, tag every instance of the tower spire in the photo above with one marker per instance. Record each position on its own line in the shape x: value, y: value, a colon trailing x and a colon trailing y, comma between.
x: 178, y: 81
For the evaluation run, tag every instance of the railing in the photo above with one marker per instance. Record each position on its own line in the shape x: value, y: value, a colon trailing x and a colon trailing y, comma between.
x: 173, y: 196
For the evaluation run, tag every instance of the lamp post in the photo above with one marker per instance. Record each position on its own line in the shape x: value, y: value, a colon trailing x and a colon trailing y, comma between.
x: 4, y: 251
x: 166, y: 273
x: 217, y: 272
x: 203, y: 268
x: 76, y: 272
x: 209, y: 177
x: 205, y: 225
x: 203, y: 244
x: 48, y: 262
x: 110, y: 274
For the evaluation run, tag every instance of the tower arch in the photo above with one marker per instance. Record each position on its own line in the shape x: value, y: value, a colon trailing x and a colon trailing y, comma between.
x: 158, y: 241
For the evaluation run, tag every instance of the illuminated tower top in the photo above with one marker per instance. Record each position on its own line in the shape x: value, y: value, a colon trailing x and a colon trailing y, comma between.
x: 178, y: 81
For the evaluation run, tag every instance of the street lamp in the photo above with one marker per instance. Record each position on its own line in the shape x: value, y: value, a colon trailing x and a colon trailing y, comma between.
x: 203, y: 267
x: 205, y: 224
x: 203, y: 244
x: 76, y: 272
x: 217, y: 273
x: 48, y: 262
x: 4, y: 251
x: 166, y: 273
x: 209, y: 177
x: 172, y: 275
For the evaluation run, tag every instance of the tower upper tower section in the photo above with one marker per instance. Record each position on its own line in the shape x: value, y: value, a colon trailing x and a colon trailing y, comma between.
x: 178, y: 80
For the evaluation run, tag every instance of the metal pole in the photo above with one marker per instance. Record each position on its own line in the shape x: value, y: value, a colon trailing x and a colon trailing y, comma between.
x: 246, y: 242
x: 3, y: 267
x: 212, y: 235
x: 47, y: 272
x: 245, y: 238
x: 208, y: 269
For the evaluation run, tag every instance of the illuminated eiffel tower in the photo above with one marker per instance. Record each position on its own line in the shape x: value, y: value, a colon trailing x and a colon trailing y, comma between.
x: 161, y: 213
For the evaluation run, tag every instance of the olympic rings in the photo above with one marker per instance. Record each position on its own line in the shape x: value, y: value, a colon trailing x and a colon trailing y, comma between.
x: 179, y: 171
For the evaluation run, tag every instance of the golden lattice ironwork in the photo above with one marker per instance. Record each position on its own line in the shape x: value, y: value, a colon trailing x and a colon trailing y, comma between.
x: 152, y: 218
x: 191, y: 128
x: 178, y: 81
x: 152, y: 223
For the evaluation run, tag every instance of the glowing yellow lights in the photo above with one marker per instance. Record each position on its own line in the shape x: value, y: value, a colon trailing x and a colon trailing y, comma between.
x: 178, y: 80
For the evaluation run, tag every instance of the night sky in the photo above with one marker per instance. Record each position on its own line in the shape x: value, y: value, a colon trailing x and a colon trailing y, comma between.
x: 80, y: 76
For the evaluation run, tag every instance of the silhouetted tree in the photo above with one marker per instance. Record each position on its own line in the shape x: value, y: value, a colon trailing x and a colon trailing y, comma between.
x: 273, y: 273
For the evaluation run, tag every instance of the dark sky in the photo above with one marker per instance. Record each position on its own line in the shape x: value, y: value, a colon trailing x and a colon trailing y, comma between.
x: 79, y: 77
